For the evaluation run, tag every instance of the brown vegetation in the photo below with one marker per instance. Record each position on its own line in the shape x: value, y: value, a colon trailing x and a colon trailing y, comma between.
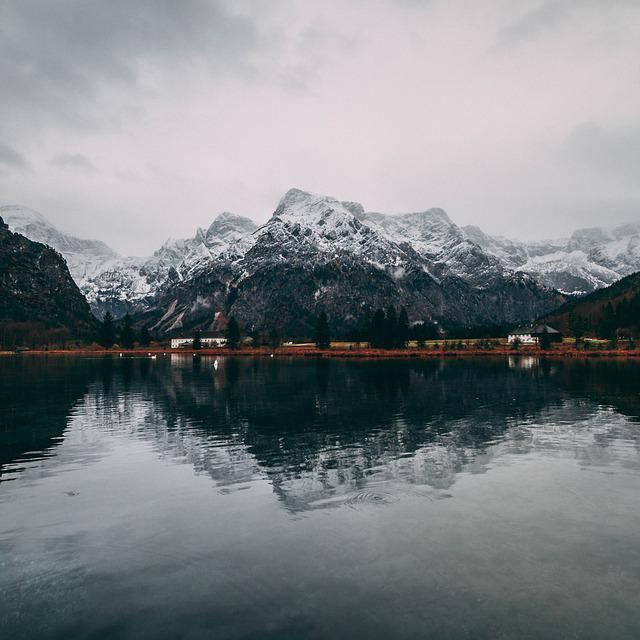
x: 439, y: 349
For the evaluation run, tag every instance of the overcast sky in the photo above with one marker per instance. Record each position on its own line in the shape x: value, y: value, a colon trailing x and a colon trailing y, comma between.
x: 132, y: 121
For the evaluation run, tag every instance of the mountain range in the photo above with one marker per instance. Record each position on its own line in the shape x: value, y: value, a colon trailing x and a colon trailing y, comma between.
x: 316, y: 252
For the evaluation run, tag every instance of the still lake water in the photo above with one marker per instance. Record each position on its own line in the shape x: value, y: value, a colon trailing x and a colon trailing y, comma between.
x: 319, y: 499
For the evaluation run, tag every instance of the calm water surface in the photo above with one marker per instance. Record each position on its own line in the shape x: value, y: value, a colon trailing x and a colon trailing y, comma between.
x: 303, y: 499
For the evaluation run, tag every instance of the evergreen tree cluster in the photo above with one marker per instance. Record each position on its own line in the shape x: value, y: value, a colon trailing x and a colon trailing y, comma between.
x: 390, y: 330
x: 232, y: 333
x: 611, y: 321
x: 623, y: 316
x: 323, y: 337
x: 125, y: 335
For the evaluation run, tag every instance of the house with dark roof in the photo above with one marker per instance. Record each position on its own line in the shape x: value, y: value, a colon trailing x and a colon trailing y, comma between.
x: 534, y: 334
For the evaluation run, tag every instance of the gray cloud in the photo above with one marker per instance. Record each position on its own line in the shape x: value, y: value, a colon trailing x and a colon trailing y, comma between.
x: 196, y: 106
x: 11, y: 158
x: 75, y: 161
x: 535, y: 22
x: 605, y: 150
x: 57, y: 57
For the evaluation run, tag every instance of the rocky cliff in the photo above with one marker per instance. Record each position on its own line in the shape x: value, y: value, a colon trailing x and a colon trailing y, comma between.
x: 36, y: 286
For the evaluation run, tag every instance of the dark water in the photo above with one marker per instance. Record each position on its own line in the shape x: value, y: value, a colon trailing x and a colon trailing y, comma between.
x: 276, y: 499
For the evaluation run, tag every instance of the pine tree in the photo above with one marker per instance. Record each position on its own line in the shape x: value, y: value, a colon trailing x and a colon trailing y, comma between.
x: 323, y: 339
x: 403, y: 328
x: 377, y: 330
x: 390, y: 329
x: 107, y: 335
x: 255, y: 338
x: 233, y: 333
x: 275, y: 339
x: 607, y: 325
x: 419, y: 331
x: 145, y: 336
x: 577, y: 326
x: 197, y: 340
x: 127, y: 335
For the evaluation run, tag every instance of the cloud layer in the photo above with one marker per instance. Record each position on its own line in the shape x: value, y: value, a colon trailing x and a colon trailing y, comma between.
x: 135, y: 121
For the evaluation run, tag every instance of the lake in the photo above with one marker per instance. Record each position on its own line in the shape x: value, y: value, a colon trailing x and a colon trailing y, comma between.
x: 275, y: 498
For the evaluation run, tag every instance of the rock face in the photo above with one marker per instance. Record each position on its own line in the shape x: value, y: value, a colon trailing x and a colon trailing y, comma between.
x: 588, y: 260
x: 317, y: 253
x: 135, y: 284
x: 36, y: 286
x: 85, y: 258
x: 119, y: 284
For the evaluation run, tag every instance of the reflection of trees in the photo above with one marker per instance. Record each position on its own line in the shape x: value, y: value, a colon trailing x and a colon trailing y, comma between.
x: 319, y: 429
x: 323, y: 431
x: 36, y: 396
x: 611, y: 382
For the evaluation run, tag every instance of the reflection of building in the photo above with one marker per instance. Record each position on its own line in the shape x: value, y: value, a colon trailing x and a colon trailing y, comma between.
x: 205, y: 341
x: 535, y: 333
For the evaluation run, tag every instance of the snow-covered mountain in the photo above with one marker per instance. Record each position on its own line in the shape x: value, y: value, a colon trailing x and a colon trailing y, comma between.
x: 318, y: 252
x: 445, y: 245
x: 85, y: 258
x: 115, y: 283
x: 588, y: 260
x: 131, y: 284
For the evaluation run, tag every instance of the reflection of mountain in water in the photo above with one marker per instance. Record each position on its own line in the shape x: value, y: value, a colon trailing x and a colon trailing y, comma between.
x: 328, y: 432
x: 36, y: 398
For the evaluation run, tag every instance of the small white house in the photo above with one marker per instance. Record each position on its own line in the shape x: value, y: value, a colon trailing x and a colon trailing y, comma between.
x: 523, y: 338
x: 177, y: 343
x: 533, y: 335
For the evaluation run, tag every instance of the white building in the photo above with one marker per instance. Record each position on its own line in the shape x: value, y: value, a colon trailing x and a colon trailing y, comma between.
x: 177, y: 343
x: 533, y: 335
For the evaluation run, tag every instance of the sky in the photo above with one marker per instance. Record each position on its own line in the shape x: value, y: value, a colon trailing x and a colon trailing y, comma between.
x: 136, y: 121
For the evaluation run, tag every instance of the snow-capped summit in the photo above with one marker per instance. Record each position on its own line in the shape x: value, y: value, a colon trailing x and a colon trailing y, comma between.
x: 589, y: 259
x: 299, y: 204
x: 118, y: 284
x: 307, y: 223
x: 84, y: 257
x: 230, y: 227
x: 133, y: 283
x: 436, y: 238
x: 225, y: 230
x: 316, y: 250
x: 320, y: 252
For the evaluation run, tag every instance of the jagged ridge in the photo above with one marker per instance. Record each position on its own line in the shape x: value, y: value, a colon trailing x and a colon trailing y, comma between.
x: 316, y: 251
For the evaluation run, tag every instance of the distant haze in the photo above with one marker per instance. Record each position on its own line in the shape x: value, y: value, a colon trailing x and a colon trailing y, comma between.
x: 134, y: 121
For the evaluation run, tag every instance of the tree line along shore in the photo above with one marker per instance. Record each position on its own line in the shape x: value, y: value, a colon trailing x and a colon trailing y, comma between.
x: 322, y: 346
x: 387, y: 332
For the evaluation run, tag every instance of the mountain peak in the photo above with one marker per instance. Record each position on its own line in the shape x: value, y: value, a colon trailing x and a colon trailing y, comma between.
x: 298, y: 203
x: 590, y: 236
x: 230, y: 226
x: 295, y: 199
x: 18, y: 216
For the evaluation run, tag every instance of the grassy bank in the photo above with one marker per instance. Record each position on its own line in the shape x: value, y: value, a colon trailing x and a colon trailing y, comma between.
x: 353, y: 350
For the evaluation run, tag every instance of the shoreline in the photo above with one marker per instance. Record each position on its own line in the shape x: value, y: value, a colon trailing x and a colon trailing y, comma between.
x: 342, y: 353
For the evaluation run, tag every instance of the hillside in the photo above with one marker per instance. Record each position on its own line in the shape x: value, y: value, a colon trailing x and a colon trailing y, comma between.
x: 616, y: 307
x: 85, y: 258
x: 36, y: 287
